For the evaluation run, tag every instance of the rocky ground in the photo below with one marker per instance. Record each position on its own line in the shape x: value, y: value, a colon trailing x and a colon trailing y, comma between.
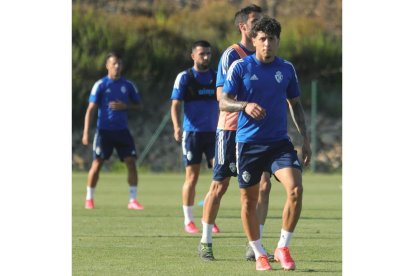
x: 165, y: 154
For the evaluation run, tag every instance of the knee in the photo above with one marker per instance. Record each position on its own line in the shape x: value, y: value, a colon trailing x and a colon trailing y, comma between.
x: 296, y: 193
x: 218, y: 189
x: 191, y: 180
x: 191, y: 177
x: 130, y: 163
x: 265, y: 186
x: 249, y: 204
x: 96, y: 166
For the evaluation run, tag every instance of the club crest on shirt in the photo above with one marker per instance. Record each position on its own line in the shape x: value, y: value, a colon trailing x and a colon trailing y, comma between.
x: 189, y: 156
x: 246, y: 176
x: 98, y: 150
x: 232, y: 167
x: 123, y: 89
x: 279, y: 76
x: 108, y: 90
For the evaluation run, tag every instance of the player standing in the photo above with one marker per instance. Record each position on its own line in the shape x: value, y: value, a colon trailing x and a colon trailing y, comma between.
x: 112, y: 95
x: 263, y: 85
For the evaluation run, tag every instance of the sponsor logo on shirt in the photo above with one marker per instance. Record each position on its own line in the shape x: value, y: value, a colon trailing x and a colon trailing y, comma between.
x: 108, y: 90
x: 206, y: 92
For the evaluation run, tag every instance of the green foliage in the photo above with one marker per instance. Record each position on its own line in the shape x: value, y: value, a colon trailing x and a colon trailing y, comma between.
x: 317, y: 55
x: 157, y: 47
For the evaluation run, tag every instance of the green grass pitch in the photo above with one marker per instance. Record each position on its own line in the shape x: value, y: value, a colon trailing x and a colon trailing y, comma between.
x: 112, y: 240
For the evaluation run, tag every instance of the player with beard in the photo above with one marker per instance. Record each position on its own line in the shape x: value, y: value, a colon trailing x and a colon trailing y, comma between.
x: 195, y: 88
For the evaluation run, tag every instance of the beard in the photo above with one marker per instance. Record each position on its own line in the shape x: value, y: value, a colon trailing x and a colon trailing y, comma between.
x: 203, y: 66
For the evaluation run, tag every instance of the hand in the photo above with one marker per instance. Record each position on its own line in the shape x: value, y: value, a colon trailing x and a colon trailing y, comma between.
x: 306, y: 153
x: 177, y: 134
x: 255, y: 111
x: 118, y: 105
x: 85, y: 139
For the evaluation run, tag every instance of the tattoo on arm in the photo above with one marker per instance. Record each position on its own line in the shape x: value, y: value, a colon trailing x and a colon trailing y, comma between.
x: 298, y: 116
x: 228, y: 103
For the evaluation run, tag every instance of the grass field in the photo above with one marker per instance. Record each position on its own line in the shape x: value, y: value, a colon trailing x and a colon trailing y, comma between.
x: 112, y: 240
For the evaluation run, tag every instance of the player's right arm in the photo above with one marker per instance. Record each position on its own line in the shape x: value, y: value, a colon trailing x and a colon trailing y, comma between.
x: 175, y: 117
x: 232, y: 85
x: 228, y: 103
x: 177, y: 97
x: 88, y: 117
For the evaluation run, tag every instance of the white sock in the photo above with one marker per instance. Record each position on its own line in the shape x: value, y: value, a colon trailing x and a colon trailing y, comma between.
x: 257, y: 248
x: 207, y: 236
x: 188, y: 214
x: 133, y: 190
x: 285, y: 237
x: 261, y: 230
x: 90, y: 192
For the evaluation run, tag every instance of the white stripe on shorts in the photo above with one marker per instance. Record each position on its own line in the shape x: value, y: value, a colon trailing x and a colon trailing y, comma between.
x: 237, y: 157
x: 220, y: 148
x: 94, y: 140
x: 183, y: 142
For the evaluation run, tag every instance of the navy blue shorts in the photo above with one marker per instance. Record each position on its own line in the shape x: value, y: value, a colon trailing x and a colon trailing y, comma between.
x: 194, y: 144
x: 106, y: 140
x: 225, y: 155
x: 254, y: 159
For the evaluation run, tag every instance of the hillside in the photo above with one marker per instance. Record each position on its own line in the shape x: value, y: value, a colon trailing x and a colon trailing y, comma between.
x: 154, y: 38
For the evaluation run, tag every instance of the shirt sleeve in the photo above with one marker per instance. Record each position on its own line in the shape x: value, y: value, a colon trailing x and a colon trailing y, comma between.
x: 135, y: 96
x: 234, y: 78
x: 179, y: 86
x: 225, y: 62
x: 293, y: 90
x: 95, y: 92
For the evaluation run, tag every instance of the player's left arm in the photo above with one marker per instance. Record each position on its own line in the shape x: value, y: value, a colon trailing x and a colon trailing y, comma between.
x: 298, y: 116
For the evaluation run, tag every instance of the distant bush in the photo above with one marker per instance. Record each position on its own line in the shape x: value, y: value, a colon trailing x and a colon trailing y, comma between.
x: 156, y: 48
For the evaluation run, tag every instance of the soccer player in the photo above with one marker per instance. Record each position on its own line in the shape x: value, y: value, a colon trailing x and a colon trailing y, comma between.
x: 261, y: 87
x: 196, y: 88
x: 225, y: 152
x: 112, y: 95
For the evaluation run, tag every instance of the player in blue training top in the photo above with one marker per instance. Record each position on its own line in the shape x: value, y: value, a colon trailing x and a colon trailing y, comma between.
x: 112, y: 95
x: 265, y: 85
x: 196, y: 88
x: 225, y: 153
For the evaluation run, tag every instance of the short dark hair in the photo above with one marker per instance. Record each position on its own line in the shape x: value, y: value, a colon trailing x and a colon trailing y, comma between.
x: 269, y: 26
x: 113, y: 54
x: 200, y: 43
x: 243, y: 14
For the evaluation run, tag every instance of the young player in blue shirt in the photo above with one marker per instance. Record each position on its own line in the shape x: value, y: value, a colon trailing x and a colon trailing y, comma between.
x: 225, y: 152
x: 112, y: 95
x: 264, y: 86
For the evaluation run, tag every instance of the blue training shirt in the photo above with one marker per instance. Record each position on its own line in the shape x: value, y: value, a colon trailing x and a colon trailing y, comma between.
x: 199, y: 115
x: 227, y: 58
x: 107, y: 90
x: 269, y: 85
